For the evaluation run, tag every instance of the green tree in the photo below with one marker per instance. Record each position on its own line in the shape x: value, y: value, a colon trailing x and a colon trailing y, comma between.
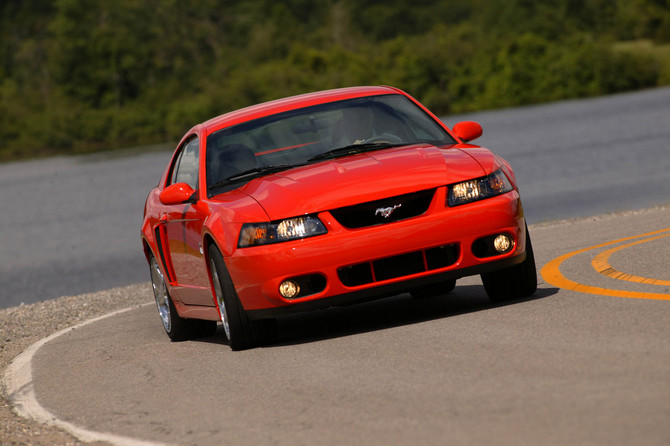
x: 80, y: 75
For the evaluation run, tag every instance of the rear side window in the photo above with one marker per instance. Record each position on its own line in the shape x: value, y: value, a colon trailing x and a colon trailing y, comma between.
x: 185, y: 169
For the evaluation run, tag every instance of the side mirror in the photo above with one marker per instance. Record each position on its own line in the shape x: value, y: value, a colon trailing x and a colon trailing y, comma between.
x: 467, y: 130
x: 177, y: 193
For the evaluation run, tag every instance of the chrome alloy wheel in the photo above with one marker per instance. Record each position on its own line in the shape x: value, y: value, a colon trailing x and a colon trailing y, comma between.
x: 219, y: 298
x: 161, y: 295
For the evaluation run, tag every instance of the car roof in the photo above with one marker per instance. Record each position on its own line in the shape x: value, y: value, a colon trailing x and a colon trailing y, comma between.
x: 290, y: 103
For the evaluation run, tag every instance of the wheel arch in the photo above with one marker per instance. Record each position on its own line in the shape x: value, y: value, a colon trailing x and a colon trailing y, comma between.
x: 207, y: 241
x: 146, y: 248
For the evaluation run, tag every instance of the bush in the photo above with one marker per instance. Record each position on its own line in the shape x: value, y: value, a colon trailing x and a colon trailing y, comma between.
x: 78, y: 75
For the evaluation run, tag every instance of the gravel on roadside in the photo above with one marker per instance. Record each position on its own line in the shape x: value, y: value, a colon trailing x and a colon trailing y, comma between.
x: 24, y: 325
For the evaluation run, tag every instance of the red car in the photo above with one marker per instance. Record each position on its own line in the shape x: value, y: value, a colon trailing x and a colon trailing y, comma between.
x: 325, y: 199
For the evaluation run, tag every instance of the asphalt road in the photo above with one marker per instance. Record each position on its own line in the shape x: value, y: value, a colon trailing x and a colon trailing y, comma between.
x: 70, y: 225
x: 563, y: 367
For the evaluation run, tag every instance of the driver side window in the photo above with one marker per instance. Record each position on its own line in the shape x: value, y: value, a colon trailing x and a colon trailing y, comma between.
x: 186, y: 167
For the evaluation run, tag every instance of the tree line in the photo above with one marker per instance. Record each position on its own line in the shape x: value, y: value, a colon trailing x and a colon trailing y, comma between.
x: 83, y: 75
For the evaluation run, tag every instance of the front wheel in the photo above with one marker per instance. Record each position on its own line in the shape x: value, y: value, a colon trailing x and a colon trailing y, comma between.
x: 515, y: 281
x: 242, y: 332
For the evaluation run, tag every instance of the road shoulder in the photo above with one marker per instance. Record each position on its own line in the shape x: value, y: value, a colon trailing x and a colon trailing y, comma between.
x: 24, y: 325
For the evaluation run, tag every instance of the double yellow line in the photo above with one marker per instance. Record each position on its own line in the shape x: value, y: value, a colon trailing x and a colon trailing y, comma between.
x: 552, y: 274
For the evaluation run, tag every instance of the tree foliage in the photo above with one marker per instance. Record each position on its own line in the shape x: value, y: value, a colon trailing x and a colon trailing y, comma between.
x: 81, y: 75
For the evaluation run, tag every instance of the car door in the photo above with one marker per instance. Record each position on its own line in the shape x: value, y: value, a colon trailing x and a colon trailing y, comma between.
x: 183, y: 229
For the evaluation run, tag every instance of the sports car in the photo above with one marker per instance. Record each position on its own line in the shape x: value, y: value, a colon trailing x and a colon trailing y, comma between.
x: 326, y: 199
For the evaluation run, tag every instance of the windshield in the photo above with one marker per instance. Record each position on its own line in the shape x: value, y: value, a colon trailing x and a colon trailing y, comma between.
x: 314, y: 133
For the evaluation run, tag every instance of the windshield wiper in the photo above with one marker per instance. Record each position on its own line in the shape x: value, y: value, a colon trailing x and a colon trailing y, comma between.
x: 251, y: 174
x: 354, y: 149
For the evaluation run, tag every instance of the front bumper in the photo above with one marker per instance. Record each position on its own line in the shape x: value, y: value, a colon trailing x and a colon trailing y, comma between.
x: 258, y: 271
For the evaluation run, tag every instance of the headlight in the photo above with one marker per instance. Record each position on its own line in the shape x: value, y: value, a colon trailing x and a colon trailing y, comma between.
x: 253, y: 234
x: 478, y: 189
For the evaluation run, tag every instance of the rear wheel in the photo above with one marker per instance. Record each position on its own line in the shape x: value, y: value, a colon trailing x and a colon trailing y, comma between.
x: 242, y: 332
x: 176, y: 327
x: 433, y: 290
x: 515, y: 281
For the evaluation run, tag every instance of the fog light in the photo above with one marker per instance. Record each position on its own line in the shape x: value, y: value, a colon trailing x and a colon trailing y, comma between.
x: 289, y: 289
x: 502, y: 243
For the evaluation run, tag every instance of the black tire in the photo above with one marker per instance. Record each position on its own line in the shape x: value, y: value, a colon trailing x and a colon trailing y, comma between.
x: 176, y: 327
x: 433, y: 290
x: 242, y: 332
x: 517, y: 281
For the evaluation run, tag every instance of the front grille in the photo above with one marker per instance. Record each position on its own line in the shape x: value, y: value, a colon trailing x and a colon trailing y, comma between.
x: 384, y: 211
x: 398, y: 266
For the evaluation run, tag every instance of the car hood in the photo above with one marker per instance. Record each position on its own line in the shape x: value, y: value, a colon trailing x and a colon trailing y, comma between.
x: 363, y: 177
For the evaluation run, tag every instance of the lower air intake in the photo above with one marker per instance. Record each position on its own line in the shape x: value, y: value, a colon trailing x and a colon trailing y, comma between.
x: 398, y: 266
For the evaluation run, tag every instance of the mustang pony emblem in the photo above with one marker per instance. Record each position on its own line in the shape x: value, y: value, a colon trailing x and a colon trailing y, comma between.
x: 386, y: 212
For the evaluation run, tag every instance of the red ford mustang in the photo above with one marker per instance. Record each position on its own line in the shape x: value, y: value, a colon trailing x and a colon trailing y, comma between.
x: 325, y: 199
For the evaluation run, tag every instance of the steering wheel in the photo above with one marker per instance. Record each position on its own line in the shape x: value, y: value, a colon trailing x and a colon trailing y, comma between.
x: 384, y: 137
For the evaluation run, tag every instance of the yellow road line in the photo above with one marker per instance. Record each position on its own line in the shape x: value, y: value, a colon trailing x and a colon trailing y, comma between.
x: 552, y: 274
x: 601, y: 264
